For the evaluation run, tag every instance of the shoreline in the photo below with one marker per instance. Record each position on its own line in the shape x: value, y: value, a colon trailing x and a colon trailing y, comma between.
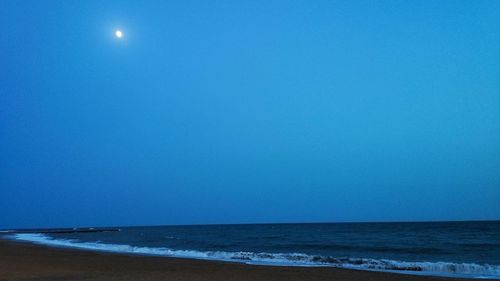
x: 29, y: 261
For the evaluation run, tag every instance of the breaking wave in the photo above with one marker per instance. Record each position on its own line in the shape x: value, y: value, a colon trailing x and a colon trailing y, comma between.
x: 289, y: 259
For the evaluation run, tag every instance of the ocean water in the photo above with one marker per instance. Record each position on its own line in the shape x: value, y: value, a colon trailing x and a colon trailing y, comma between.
x: 460, y: 249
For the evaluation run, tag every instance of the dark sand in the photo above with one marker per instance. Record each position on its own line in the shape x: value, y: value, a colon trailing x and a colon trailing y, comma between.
x: 28, y: 262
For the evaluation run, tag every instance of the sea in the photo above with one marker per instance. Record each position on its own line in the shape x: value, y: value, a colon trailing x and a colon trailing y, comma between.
x: 454, y: 249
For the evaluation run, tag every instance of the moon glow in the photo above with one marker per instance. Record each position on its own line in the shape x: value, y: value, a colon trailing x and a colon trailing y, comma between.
x: 118, y: 34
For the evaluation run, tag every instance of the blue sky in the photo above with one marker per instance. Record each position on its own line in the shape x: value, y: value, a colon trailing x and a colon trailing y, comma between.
x: 248, y: 111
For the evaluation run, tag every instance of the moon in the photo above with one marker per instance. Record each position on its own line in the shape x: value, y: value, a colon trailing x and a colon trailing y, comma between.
x: 118, y: 34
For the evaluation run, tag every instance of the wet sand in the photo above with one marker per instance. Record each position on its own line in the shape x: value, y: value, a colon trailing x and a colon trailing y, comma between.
x: 29, y: 262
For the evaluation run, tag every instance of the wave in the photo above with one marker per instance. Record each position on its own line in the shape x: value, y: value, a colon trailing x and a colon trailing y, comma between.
x: 289, y: 259
x: 336, y: 247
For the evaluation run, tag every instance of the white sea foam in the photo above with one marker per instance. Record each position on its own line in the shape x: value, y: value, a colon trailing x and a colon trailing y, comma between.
x: 295, y: 259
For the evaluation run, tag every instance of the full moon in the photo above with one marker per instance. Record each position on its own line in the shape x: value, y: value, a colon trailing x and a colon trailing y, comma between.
x: 118, y: 34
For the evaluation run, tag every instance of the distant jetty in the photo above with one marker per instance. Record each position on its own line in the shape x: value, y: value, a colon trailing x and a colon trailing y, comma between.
x: 63, y: 230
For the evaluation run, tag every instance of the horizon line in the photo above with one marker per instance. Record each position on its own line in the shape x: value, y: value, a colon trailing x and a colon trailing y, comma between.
x: 254, y: 223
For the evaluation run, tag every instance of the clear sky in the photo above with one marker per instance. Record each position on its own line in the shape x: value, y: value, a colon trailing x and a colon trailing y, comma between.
x: 248, y: 111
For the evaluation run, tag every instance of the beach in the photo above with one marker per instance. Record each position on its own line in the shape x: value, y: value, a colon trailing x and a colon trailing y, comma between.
x: 30, y: 262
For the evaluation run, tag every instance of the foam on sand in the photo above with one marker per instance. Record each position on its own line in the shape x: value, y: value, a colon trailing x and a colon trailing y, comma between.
x: 290, y: 259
